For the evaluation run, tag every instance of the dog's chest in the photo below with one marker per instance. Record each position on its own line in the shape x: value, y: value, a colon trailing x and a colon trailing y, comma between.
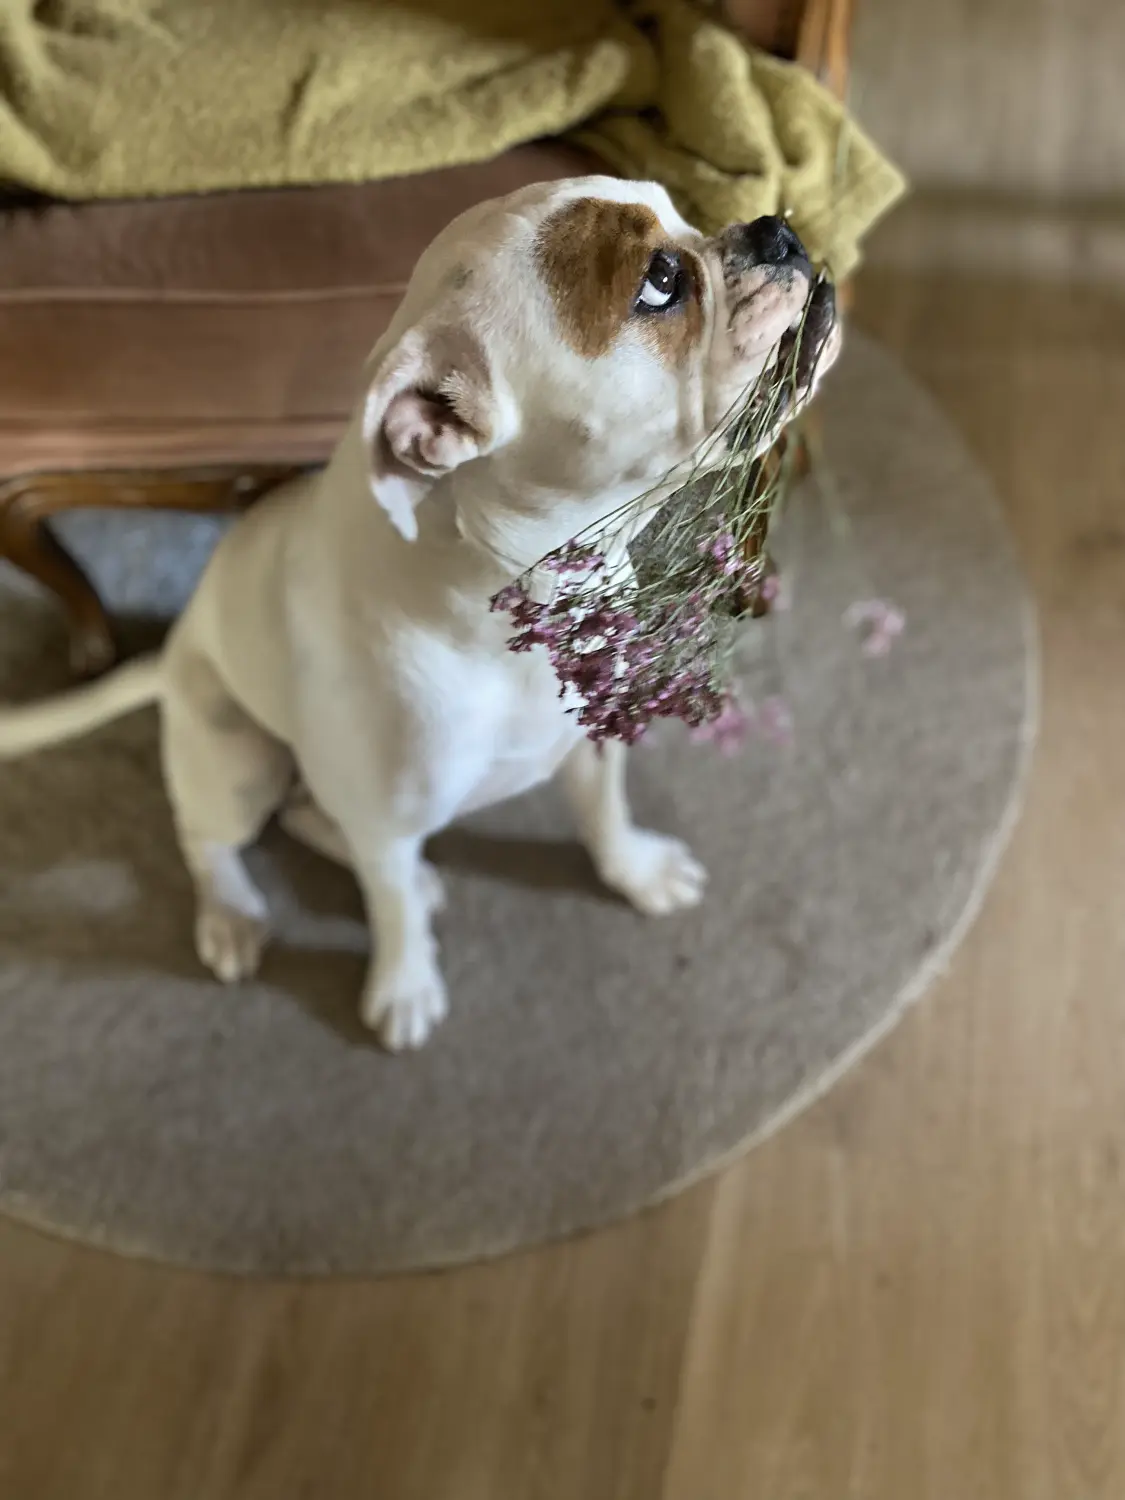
x: 509, y: 727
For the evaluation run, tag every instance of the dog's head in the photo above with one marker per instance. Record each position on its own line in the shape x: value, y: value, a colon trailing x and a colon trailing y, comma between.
x: 579, y: 340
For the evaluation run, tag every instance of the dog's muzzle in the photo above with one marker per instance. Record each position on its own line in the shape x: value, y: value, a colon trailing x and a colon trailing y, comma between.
x: 765, y: 242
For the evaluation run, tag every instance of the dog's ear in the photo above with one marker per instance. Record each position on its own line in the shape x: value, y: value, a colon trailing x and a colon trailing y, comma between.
x: 432, y: 405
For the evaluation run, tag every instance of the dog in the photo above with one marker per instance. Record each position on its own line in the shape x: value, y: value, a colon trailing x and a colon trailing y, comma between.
x: 558, y: 353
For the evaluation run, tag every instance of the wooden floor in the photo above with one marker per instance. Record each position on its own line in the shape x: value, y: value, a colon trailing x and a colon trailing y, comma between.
x: 915, y: 1292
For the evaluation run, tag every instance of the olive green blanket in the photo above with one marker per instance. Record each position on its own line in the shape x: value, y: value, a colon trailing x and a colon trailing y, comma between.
x: 110, y: 98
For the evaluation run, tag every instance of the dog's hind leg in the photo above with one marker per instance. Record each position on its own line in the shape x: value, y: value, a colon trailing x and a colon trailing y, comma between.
x: 225, y: 776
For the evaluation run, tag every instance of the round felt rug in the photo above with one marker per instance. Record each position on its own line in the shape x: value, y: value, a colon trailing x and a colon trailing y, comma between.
x: 592, y: 1062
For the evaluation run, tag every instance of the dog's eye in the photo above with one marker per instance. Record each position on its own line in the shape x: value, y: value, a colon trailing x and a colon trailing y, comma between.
x: 663, y: 283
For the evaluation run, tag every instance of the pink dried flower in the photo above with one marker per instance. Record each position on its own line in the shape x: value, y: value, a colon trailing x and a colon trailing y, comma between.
x: 510, y: 597
x: 775, y: 591
x: 879, y: 621
x: 579, y: 559
x: 724, y: 550
x: 526, y: 612
x: 626, y: 668
x: 728, y: 731
x: 737, y: 721
x: 640, y: 653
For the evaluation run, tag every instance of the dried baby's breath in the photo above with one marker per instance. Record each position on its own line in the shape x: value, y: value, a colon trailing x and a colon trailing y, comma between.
x: 655, y: 638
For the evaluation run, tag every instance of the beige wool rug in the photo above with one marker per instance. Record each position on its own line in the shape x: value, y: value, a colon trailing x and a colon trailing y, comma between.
x: 592, y: 1063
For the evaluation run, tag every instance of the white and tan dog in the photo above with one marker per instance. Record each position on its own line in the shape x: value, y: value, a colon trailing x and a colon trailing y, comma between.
x: 557, y: 352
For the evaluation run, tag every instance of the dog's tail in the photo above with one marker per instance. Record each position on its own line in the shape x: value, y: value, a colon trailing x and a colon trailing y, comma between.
x: 70, y: 714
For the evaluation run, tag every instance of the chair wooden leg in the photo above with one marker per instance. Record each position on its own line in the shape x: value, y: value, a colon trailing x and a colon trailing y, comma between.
x: 26, y: 540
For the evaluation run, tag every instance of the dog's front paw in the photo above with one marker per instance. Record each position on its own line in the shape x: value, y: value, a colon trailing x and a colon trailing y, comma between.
x: 657, y: 874
x: 404, y: 1007
x: 229, y: 941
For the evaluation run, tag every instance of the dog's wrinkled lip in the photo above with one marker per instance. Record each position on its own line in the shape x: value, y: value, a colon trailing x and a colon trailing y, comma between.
x: 813, y: 325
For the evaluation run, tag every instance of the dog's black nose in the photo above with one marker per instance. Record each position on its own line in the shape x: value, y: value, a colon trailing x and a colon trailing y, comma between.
x: 770, y: 242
